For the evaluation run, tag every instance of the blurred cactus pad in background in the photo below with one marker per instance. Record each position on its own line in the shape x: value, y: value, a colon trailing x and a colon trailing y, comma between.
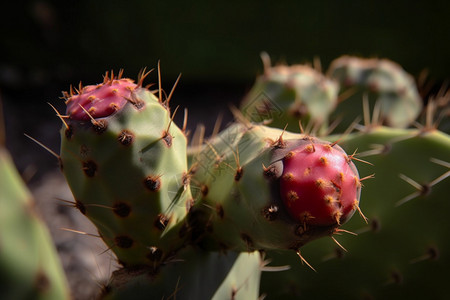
x: 305, y: 143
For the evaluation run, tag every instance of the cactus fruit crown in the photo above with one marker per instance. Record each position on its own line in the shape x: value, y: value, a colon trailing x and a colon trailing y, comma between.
x: 101, y: 100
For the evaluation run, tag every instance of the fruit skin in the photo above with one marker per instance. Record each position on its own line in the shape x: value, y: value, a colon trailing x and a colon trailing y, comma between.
x: 237, y: 191
x: 285, y: 95
x: 383, y: 82
x: 403, y: 251
x: 128, y: 171
x: 195, y: 274
x: 318, y: 173
x: 29, y: 264
x: 100, y: 100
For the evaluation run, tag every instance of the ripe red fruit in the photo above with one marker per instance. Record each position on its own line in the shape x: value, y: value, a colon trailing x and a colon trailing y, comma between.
x: 102, y: 100
x: 319, y: 184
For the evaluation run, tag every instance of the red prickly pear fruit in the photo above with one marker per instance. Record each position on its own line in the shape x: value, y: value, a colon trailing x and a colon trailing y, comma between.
x: 101, y: 100
x: 319, y: 184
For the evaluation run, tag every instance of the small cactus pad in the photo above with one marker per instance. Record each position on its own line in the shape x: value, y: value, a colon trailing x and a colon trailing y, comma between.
x: 284, y: 95
x: 29, y: 264
x: 125, y: 162
x: 319, y: 184
x: 381, y: 81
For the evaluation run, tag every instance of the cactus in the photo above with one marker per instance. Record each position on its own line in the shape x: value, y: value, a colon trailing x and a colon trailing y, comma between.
x: 171, y: 223
x: 383, y: 82
x: 29, y: 264
x: 403, y: 250
x: 284, y: 95
x: 125, y: 162
x: 194, y: 275
x: 267, y: 203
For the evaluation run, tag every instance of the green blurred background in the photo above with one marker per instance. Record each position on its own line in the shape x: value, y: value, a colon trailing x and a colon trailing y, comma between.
x: 48, y: 45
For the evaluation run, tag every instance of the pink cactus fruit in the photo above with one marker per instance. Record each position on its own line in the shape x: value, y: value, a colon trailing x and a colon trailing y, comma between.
x: 319, y: 184
x: 102, y: 100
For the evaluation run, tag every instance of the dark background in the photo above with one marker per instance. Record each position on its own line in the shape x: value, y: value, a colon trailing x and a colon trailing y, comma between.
x: 48, y: 45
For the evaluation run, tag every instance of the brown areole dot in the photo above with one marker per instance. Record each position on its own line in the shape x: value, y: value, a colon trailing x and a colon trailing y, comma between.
x: 41, y: 282
x: 186, y: 179
x: 248, y: 240
x: 136, y: 101
x: 219, y: 210
x: 292, y: 196
x: 161, y: 222
x: 289, y: 155
x: 375, y: 225
x: 125, y: 137
x: 309, y: 148
x: 270, y: 212
x: 123, y: 241
x: 89, y: 168
x: 433, y: 253
x: 100, y: 126
x: 288, y: 176
x: 114, y: 106
x: 269, y: 172
x: 167, y: 138
x: 155, y: 254
x: 152, y: 183
x: 121, y: 209
x: 300, y: 230
x: 68, y: 132
x: 204, y: 190
x: 239, y: 173
x: 138, y: 104
x: 339, y: 253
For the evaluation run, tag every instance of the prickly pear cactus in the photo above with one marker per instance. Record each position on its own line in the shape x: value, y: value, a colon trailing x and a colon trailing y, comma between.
x: 285, y: 95
x: 29, y: 265
x: 195, y: 274
x: 253, y: 187
x: 125, y: 162
x: 264, y: 188
x: 387, y: 86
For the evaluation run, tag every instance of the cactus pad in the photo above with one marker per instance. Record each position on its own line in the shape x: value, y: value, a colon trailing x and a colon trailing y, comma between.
x: 125, y: 162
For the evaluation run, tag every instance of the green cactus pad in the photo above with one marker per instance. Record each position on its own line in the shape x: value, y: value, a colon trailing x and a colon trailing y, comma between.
x: 195, y: 274
x: 404, y: 250
x: 29, y: 264
x: 284, y: 95
x: 128, y: 172
x: 237, y: 191
x: 383, y: 81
